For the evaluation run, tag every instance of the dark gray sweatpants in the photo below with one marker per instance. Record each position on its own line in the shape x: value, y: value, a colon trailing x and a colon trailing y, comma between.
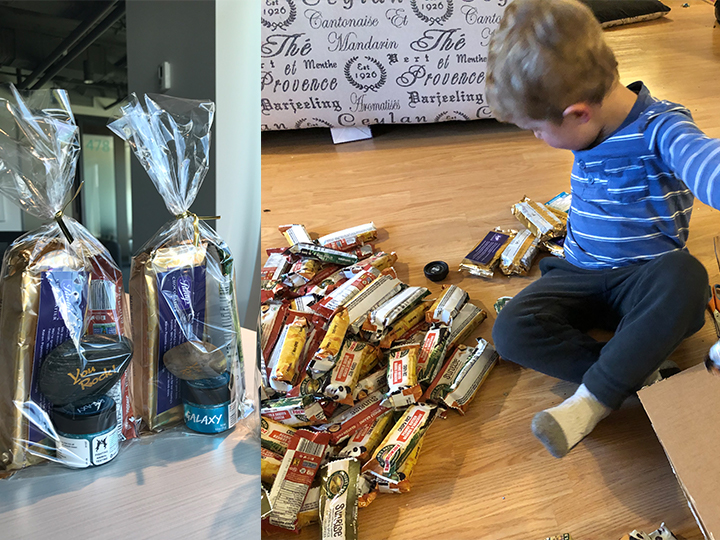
x: 651, y: 307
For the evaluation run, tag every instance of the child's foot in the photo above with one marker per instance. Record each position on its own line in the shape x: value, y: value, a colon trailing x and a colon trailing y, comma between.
x: 667, y: 369
x: 562, y: 427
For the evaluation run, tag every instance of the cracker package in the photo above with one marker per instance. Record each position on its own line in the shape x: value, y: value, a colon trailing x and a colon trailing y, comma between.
x: 65, y: 345
x: 182, y: 293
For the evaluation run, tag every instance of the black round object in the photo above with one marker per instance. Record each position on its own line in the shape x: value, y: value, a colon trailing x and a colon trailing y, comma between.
x: 436, y: 270
x: 93, y: 415
x: 212, y: 391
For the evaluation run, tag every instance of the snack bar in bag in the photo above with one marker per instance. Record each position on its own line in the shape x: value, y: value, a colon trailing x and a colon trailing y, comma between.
x: 184, y: 313
x: 64, y: 343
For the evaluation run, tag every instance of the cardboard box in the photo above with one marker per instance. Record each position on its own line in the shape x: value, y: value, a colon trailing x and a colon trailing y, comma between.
x: 685, y: 413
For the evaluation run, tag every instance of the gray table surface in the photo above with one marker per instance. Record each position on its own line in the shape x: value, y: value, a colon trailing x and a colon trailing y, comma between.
x: 176, y: 484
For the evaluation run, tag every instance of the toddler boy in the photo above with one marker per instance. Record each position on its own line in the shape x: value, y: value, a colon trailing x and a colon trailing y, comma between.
x: 638, y: 163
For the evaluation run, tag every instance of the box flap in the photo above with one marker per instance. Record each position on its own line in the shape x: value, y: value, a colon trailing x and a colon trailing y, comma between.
x: 685, y: 413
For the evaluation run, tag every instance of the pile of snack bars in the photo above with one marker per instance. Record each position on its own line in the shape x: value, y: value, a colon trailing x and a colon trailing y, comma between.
x: 356, y: 365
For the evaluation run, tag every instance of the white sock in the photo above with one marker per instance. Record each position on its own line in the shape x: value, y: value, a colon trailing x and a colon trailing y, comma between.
x: 562, y: 427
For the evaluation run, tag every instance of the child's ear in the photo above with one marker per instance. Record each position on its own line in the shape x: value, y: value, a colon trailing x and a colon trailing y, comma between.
x: 578, y: 112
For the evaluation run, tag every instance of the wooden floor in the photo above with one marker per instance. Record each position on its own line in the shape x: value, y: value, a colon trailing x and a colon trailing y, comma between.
x: 435, y: 191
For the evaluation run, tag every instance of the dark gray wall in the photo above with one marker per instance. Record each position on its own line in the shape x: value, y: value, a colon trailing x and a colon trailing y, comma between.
x: 181, y: 32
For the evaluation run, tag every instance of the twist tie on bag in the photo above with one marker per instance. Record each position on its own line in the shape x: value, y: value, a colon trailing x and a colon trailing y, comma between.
x: 58, y: 217
x: 196, y: 220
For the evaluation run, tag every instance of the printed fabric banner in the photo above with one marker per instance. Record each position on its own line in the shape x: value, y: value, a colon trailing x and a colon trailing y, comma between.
x: 343, y: 63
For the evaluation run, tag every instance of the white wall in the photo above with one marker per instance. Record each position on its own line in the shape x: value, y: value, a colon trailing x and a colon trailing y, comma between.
x: 237, y: 144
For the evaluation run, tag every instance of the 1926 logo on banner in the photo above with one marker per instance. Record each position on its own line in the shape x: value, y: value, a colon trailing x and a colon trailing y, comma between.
x: 278, y: 14
x: 432, y: 11
x: 365, y: 73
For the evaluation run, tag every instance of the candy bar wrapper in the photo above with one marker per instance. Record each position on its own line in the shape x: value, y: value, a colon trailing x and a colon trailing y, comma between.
x: 556, y: 246
x: 465, y: 323
x: 324, y: 254
x: 405, y: 472
x: 272, y: 317
x: 367, y: 489
x: 379, y: 261
x: 339, y: 500
x: 269, y: 465
x: 564, y: 536
x: 518, y: 256
x: 275, y: 436
x: 484, y: 257
x: 560, y: 202
x: 404, y: 325
x: 303, y: 303
x: 345, y: 292
x: 349, y: 238
x: 442, y: 383
x: 387, y: 313
x: 297, y: 471
x: 294, y: 412
x: 310, y: 510
x: 346, y: 373
x: 370, y: 384
x: 182, y: 280
x: 432, y: 352
x: 60, y: 290
x: 376, y: 293
x: 362, y: 252
x: 265, y: 507
x: 404, y: 397
x: 291, y: 347
x: 402, y: 367
x: 276, y: 266
x: 447, y: 306
x: 543, y: 221
x: 471, y: 376
x: 500, y: 303
x: 306, y: 268
x: 343, y: 425
x: 325, y: 357
x: 401, y: 441
x: 364, y: 441
x: 295, y: 234
x: 325, y: 281
x: 663, y: 533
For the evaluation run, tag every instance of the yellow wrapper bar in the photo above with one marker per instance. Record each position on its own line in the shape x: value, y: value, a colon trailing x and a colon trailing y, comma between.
x: 402, y: 367
x: 324, y: 358
x: 471, y: 376
x: 390, y: 311
x: 543, y: 221
x: 405, y: 472
x: 380, y: 261
x: 440, y: 386
x: 369, y: 384
x: 373, y: 295
x: 346, y: 373
x: 310, y: 509
x: 408, y: 321
x: 447, y: 306
x: 295, y: 234
x: 465, y: 323
x: 518, y: 256
x: 339, y: 500
x: 396, y: 448
x: 348, y: 238
x: 484, y: 257
x: 291, y: 351
x: 275, y: 436
x: 363, y: 443
x: 432, y: 352
x: 269, y: 465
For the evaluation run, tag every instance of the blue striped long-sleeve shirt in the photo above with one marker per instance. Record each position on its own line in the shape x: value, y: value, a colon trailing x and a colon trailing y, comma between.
x: 632, y: 194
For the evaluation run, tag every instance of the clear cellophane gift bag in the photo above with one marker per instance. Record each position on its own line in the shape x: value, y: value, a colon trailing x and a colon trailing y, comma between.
x: 65, y: 343
x: 184, y: 310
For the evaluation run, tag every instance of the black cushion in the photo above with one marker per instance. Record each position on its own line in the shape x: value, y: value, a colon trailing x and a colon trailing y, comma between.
x: 617, y: 12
